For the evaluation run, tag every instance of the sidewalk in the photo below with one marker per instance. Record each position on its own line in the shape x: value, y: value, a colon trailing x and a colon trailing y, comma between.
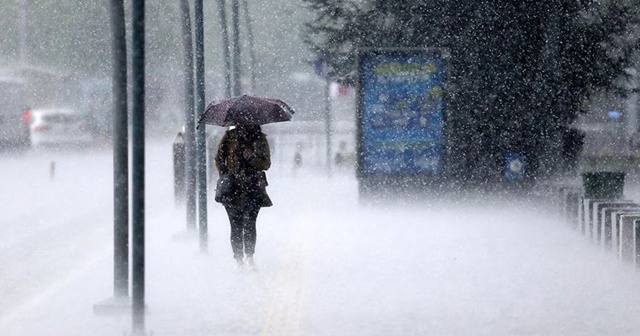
x: 327, y: 266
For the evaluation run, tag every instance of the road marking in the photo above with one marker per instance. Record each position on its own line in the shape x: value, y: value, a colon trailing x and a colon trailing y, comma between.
x: 27, y: 307
x: 284, y: 313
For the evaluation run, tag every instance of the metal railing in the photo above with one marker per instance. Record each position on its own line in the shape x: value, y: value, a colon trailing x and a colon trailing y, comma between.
x: 598, y: 210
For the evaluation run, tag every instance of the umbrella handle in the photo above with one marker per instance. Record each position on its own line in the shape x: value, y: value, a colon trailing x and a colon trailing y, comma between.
x: 200, y: 121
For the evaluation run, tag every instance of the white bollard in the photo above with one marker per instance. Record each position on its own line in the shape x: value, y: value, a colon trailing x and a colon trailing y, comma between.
x: 52, y: 170
x: 626, y: 236
x: 604, y: 234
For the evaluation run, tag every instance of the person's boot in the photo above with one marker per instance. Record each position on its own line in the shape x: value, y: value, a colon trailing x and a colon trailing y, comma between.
x: 250, y: 262
x: 239, y: 263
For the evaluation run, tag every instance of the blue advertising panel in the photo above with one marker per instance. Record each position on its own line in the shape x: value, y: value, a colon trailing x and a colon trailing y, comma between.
x: 514, y: 165
x: 401, y: 112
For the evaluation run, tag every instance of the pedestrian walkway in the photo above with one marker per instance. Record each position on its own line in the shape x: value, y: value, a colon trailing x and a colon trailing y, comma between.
x: 328, y: 266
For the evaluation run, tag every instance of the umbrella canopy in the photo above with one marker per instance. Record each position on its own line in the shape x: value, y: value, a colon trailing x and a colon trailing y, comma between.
x: 246, y: 110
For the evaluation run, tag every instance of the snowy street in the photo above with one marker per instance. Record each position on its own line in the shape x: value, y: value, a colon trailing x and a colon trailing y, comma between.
x: 326, y: 265
x: 445, y: 168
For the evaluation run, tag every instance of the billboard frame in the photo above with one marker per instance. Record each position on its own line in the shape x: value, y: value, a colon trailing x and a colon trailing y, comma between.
x: 365, y: 177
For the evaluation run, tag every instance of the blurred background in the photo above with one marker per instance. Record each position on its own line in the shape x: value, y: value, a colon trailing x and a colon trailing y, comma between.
x: 58, y: 54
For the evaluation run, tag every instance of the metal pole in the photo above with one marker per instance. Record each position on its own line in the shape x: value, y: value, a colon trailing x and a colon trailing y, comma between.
x: 237, y: 87
x: 632, y: 113
x: 120, y: 153
x: 225, y: 48
x: 252, y: 54
x: 201, y: 143
x: 327, y: 119
x: 24, y: 31
x: 189, y: 129
x: 137, y: 125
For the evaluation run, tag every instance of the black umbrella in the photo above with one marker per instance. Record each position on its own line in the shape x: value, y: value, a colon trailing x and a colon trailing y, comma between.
x: 246, y: 110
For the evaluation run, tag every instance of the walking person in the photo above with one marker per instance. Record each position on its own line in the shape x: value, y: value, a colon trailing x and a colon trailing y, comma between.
x: 244, y: 154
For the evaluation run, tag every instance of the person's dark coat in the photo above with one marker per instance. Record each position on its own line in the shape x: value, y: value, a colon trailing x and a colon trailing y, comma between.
x: 245, y: 154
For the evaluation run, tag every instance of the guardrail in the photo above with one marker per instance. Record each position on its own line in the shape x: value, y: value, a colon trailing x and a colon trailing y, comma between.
x: 598, y: 210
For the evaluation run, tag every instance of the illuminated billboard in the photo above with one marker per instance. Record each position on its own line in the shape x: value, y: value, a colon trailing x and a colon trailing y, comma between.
x: 401, y: 111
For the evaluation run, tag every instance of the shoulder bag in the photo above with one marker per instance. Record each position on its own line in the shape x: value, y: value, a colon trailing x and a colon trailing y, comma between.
x: 224, y: 188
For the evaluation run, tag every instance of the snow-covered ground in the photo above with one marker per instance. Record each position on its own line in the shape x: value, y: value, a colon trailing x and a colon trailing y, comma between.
x: 327, y: 265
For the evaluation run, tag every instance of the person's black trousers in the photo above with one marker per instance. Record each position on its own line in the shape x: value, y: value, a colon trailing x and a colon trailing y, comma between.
x: 243, y: 229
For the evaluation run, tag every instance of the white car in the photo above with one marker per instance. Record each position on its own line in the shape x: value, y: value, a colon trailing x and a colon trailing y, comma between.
x: 60, y: 127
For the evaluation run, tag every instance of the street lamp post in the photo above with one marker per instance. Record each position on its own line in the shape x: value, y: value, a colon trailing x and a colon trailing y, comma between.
x: 201, y: 144
x: 120, y: 299
x: 138, y: 150
x: 225, y: 47
x: 235, y: 24
x: 120, y: 152
x: 189, y: 120
x: 23, y: 38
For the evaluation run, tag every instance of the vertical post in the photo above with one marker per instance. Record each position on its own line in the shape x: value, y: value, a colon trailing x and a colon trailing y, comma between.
x: 225, y: 48
x: 632, y: 112
x: 138, y: 149
x: 178, y: 168
x: 252, y: 54
x: 201, y: 143
x: 24, y: 31
x: 322, y: 71
x: 573, y: 202
x: 189, y: 122
x: 235, y: 12
x: 636, y: 243
x: 120, y: 153
x: 327, y: 119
